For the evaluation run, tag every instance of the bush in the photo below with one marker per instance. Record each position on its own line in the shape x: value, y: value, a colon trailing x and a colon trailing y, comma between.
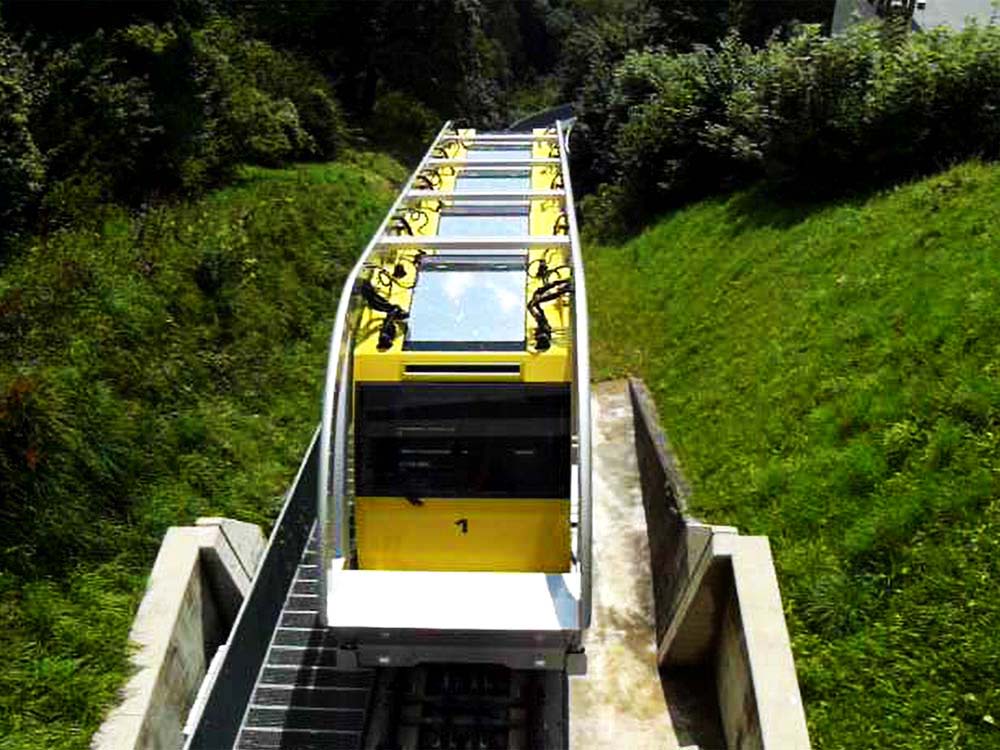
x: 150, y: 109
x: 587, y: 72
x: 403, y: 126
x: 863, y: 112
x: 757, y: 20
x: 21, y: 165
x: 699, y: 128
x: 817, y: 95
x: 270, y: 106
x: 812, y: 115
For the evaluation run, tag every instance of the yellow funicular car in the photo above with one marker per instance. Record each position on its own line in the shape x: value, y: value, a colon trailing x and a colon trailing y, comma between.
x: 454, y: 506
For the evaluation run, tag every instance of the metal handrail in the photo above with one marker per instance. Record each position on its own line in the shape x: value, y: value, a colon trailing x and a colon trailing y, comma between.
x: 581, y: 356
x: 336, y: 373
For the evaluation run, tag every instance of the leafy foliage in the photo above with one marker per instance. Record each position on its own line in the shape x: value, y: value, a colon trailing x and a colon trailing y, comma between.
x: 268, y: 106
x: 435, y: 51
x: 704, y: 102
x: 151, y: 109
x: 21, y: 167
x: 587, y: 70
x: 403, y: 126
x: 163, y: 108
x: 757, y: 20
x: 810, y: 114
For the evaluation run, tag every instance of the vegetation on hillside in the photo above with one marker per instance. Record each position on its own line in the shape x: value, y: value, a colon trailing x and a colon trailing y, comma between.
x: 132, y: 102
x: 829, y: 373
x: 155, y: 368
x: 808, y: 114
x: 830, y: 377
x: 131, y: 114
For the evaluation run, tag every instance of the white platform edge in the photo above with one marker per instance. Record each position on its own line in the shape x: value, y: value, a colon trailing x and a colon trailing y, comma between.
x: 469, y: 601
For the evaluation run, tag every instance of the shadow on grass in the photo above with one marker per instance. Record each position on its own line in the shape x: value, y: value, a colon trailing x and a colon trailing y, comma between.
x: 768, y: 206
x: 762, y: 205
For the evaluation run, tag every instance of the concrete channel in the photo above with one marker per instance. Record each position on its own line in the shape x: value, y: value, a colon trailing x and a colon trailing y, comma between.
x: 688, y: 648
x: 621, y: 701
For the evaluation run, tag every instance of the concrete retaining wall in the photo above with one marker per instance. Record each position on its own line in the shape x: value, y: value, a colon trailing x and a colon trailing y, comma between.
x: 197, y: 584
x: 718, y: 605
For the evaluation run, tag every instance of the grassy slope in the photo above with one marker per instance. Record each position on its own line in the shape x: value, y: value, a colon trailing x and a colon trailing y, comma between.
x: 152, y: 371
x: 830, y: 377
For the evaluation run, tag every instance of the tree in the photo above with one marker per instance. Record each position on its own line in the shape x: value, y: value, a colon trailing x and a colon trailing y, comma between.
x: 690, y: 22
x: 898, y: 15
x: 435, y: 50
x: 757, y: 20
x: 21, y: 165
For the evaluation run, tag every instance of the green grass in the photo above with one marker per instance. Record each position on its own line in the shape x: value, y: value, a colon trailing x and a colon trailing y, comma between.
x: 830, y: 377
x: 154, y: 369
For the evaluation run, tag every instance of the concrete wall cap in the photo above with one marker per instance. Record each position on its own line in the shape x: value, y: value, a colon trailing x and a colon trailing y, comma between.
x: 194, y: 589
x: 246, y: 540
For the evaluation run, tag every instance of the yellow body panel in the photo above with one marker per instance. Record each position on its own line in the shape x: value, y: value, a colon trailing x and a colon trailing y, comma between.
x: 509, y: 535
x: 551, y: 366
x: 544, y: 213
x: 498, y: 534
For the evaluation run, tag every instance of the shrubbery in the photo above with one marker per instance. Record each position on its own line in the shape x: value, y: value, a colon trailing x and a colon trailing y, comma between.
x: 812, y: 114
x: 685, y: 124
x: 21, y: 168
x: 402, y: 125
x: 146, y: 110
x: 454, y: 56
x: 590, y: 56
x: 271, y: 106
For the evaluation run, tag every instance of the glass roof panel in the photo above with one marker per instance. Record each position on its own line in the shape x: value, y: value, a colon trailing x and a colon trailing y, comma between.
x: 468, y: 304
x: 498, y: 153
x: 480, y: 225
x: 486, y: 182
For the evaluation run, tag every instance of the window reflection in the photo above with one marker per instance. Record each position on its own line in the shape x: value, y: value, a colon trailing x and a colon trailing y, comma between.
x: 463, y: 440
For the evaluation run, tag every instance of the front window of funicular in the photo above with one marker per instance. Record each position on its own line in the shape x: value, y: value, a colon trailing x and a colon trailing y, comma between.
x: 463, y: 476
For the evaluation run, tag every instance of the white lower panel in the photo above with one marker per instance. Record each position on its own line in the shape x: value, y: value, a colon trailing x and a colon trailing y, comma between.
x: 391, y: 599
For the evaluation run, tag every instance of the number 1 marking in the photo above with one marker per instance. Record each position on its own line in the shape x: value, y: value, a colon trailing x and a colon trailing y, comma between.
x: 464, y: 524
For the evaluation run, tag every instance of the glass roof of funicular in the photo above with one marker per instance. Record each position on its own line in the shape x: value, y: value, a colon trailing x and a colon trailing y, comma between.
x: 474, y: 180
x: 483, y: 221
x: 476, y: 302
x: 468, y: 303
